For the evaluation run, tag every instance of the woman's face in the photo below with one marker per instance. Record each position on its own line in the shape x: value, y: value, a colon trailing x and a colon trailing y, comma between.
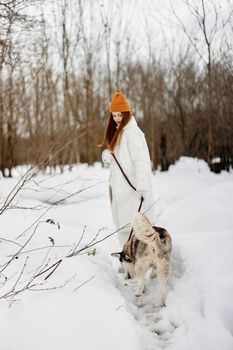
x: 117, y: 116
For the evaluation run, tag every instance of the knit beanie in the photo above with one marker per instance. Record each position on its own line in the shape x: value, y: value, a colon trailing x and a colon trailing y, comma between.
x: 119, y: 103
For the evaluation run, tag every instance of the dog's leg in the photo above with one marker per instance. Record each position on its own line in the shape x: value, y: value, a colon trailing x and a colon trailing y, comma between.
x: 140, y: 269
x: 127, y: 275
x: 162, y: 290
x: 153, y: 273
x: 163, y: 276
x: 129, y: 270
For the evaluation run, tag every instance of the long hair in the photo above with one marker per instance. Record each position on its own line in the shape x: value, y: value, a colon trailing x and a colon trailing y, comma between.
x: 112, y: 133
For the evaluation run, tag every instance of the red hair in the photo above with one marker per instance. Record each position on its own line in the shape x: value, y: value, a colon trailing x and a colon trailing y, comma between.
x: 112, y: 133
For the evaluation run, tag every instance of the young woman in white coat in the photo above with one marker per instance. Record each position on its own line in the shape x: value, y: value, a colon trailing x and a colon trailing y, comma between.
x: 126, y: 141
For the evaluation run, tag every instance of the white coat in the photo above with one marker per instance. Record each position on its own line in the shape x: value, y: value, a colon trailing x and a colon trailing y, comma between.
x: 133, y: 155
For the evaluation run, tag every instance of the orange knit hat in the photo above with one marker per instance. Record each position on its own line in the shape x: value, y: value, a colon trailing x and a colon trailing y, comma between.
x: 119, y: 103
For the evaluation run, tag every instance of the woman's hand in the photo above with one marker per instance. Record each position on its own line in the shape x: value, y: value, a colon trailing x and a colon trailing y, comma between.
x: 106, y: 157
x: 142, y: 194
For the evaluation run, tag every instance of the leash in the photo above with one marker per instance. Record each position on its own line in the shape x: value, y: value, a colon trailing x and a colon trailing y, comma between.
x: 124, y: 174
x: 134, y: 188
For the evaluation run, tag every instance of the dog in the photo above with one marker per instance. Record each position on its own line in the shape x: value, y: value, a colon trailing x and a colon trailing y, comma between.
x: 148, y: 247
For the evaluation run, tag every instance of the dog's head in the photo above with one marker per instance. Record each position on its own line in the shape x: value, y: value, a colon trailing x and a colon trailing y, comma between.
x: 122, y: 256
x: 127, y: 263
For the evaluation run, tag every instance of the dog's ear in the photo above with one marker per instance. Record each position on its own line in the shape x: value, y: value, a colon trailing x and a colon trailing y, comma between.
x: 117, y: 255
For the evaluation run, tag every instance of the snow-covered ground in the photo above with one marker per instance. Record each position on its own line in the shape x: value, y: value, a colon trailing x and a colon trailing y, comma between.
x: 86, y: 303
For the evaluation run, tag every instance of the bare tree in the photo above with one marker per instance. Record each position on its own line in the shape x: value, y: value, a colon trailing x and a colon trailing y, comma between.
x: 201, y: 13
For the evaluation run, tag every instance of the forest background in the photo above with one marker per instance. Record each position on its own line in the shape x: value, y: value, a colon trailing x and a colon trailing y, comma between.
x: 61, y: 60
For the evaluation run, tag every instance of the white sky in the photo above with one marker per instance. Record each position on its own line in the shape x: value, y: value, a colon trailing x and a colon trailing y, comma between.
x: 146, y: 21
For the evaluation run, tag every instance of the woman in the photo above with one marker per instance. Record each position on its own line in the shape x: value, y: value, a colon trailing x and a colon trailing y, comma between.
x: 124, y: 138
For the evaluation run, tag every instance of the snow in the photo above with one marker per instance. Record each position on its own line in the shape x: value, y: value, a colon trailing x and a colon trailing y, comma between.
x: 86, y: 303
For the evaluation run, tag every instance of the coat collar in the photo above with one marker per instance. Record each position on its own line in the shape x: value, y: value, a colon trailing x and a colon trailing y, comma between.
x: 130, y: 124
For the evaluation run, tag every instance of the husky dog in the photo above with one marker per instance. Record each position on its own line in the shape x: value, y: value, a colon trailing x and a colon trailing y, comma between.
x: 148, y: 247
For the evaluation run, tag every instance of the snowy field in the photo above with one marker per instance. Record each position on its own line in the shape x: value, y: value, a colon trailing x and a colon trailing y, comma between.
x: 50, y: 301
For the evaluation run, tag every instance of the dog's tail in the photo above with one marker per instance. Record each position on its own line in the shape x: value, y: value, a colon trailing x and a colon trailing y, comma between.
x: 146, y: 233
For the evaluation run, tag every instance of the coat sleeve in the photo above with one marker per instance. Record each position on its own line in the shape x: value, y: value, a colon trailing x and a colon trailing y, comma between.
x: 139, y: 154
